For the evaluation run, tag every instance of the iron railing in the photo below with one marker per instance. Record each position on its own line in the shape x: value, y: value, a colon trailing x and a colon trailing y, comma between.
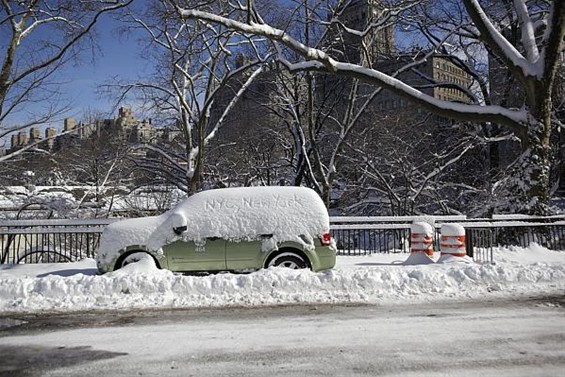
x: 395, y: 238
x: 481, y: 236
x: 380, y: 234
x: 40, y: 241
x: 49, y: 241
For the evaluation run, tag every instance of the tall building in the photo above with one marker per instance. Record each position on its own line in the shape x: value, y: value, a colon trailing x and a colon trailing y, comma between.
x: 436, y: 76
x: 375, y: 46
x: 22, y: 139
x: 70, y: 126
x: 126, y: 118
x: 262, y: 106
x: 369, y: 43
x: 34, y: 134
x: 50, y: 134
x: 14, y: 141
x: 248, y: 132
x: 144, y: 131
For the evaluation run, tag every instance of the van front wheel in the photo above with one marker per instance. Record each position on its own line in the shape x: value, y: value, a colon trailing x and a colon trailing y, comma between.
x: 288, y: 260
x: 132, y: 258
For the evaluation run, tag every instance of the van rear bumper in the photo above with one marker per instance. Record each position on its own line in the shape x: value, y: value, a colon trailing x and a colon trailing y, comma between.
x: 325, y: 258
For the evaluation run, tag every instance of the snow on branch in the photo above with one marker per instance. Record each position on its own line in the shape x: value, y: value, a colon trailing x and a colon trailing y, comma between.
x: 498, y: 43
x: 554, y: 42
x: 528, y: 31
x: 318, y: 60
x: 232, y: 103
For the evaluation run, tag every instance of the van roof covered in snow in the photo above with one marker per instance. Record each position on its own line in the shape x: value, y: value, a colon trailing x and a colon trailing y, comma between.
x: 252, y: 211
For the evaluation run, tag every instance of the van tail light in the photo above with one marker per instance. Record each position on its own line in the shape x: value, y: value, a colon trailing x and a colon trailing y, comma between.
x: 326, y: 239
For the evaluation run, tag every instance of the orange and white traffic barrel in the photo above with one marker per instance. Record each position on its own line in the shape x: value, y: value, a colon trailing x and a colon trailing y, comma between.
x: 421, y: 244
x: 422, y: 238
x: 452, y: 241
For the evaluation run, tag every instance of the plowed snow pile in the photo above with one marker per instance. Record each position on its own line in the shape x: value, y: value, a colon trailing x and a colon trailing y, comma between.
x: 376, y: 279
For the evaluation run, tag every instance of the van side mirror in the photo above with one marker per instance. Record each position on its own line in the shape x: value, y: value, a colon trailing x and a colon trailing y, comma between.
x: 180, y: 230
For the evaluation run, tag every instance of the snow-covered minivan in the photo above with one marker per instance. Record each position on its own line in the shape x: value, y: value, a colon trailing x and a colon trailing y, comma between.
x: 231, y: 229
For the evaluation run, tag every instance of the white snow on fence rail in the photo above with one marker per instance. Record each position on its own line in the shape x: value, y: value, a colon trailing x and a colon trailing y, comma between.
x: 509, y: 224
x: 337, y: 221
x: 65, y: 230
x: 57, y: 222
x: 516, y: 216
x: 370, y: 226
x: 405, y: 219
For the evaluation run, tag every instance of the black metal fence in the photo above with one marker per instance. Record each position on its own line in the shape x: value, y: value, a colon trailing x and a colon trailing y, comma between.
x: 49, y: 241
x: 395, y: 238
x: 381, y: 234
x: 481, y: 236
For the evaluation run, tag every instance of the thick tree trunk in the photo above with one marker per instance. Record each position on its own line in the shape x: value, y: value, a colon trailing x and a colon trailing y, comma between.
x: 538, y: 193
x: 194, y: 181
x: 540, y: 189
x: 529, y: 189
x: 539, y: 143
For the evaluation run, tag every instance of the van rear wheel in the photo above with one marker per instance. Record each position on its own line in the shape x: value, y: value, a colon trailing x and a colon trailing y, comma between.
x: 288, y: 260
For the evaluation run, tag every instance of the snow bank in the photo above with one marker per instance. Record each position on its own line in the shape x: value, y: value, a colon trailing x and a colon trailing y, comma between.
x: 377, y: 279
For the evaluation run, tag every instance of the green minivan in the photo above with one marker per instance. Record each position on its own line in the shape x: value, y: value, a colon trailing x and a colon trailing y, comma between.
x: 232, y: 229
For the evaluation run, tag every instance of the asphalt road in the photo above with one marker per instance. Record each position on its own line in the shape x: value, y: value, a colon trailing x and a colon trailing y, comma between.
x: 522, y: 337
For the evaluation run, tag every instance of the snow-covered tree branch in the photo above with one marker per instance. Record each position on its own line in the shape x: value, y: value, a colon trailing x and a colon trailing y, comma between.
x: 532, y: 61
x: 38, y: 38
x: 196, y: 69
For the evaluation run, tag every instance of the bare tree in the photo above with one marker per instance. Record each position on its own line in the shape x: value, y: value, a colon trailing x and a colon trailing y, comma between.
x: 197, y: 82
x: 94, y: 156
x: 38, y: 38
x: 533, y: 64
x: 399, y: 172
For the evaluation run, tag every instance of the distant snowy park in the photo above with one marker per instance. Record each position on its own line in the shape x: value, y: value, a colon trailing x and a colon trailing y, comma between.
x: 372, y: 279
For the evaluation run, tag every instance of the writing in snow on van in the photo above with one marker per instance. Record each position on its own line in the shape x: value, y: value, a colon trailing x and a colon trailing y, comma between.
x: 234, y: 204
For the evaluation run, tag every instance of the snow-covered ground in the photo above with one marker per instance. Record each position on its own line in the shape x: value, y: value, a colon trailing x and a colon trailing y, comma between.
x: 381, y: 279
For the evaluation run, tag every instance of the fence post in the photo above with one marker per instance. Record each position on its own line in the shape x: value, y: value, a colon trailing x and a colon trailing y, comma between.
x: 469, y: 243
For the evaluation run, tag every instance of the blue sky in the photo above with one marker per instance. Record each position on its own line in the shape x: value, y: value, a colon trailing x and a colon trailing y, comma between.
x: 117, y: 56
